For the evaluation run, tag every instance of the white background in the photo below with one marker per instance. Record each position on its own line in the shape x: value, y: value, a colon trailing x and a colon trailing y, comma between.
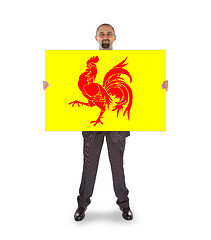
x: 167, y: 173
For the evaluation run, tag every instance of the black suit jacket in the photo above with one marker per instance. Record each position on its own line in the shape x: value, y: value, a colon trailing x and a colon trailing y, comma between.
x: 115, y: 136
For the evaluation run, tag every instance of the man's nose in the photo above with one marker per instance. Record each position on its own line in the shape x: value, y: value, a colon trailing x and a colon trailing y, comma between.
x: 106, y: 36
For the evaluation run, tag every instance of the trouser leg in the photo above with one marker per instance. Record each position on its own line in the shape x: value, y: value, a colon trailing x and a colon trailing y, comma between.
x: 91, y: 150
x: 116, y: 151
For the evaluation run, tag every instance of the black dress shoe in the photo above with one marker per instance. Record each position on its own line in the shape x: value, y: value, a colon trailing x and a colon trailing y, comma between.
x: 79, y: 214
x: 127, y: 213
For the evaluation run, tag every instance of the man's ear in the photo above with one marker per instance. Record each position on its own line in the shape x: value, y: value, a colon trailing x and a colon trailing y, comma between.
x: 96, y: 38
x: 114, y: 37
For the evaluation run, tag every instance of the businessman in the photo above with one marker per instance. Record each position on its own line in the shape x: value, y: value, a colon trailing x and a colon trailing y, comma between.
x: 93, y: 142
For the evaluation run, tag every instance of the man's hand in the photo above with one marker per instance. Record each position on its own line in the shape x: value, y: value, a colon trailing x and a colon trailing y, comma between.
x: 45, y: 85
x: 165, y: 85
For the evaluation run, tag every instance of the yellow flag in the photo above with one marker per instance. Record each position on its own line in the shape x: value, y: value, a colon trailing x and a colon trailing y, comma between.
x: 93, y: 90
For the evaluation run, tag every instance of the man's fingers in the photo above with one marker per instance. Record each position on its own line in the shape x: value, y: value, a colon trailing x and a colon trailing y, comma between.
x: 45, y: 84
x: 165, y: 85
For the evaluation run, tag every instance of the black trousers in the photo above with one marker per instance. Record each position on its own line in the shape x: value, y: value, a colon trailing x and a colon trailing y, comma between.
x: 92, y: 150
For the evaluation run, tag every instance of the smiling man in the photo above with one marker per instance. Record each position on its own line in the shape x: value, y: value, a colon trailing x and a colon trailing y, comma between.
x: 93, y: 142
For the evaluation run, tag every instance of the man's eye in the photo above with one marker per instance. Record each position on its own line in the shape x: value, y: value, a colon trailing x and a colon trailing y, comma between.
x: 101, y: 34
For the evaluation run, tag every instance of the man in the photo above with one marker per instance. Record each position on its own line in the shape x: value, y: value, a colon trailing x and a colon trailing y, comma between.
x: 93, y: 142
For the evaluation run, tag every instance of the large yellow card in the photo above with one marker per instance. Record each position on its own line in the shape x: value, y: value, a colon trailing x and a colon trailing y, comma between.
x: 93, y: 90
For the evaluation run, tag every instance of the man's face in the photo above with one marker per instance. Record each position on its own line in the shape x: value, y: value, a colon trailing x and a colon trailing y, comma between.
x: 105, y: 36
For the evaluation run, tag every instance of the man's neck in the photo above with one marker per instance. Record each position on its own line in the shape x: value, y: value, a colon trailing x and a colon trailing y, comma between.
x: 105, y: 49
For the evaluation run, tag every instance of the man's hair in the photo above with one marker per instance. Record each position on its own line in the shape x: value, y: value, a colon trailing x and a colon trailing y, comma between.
x: 105, y: 24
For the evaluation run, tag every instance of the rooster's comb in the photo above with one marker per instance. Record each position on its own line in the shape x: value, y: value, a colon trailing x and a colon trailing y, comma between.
x: 93, y: 60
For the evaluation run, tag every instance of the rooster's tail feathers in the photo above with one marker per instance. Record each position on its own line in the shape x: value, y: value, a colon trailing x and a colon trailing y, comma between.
x: 121, y: 64
x: 115, y: 73
x: 123, y: 93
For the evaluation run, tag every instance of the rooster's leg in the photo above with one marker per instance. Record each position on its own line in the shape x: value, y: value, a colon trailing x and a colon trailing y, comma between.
x: 98, y: 119
x: 82, y: 103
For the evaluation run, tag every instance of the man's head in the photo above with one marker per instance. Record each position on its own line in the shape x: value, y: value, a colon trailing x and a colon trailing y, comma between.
x: 105, y: 35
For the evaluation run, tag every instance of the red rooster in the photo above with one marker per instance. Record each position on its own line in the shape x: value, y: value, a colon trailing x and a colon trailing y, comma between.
x: 113, y: 85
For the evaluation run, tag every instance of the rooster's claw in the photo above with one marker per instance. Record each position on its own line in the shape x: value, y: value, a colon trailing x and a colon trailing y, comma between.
x: 97, y: 121
x: 74, y: 102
